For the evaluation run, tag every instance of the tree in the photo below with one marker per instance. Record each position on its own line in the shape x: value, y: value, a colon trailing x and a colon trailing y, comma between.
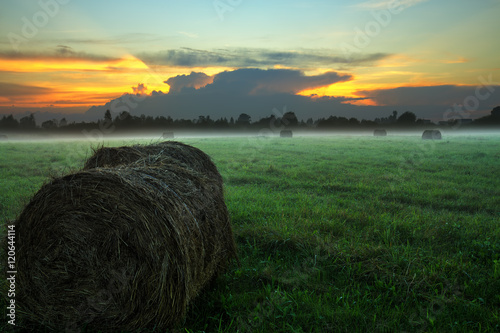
x: 394, y: 116
x: 125, y: 121
x: 407, y: 118
x: 244, y: 119
x: 353, y: 122
x: 221, y: 123
x: 28, y: 122
x: 107, y: 117
x: 63, y: 122
x: 266, y: 122
x: 9, y: 122
x: 289, y: 119
x: 49, y: 124
x: 495, y: 113
x: 204, y: 121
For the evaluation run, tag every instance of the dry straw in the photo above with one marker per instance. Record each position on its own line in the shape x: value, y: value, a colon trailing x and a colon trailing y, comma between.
x: 380, y: 132
x: 125, y: 246
x: 431, y: 135
x: 184, y: 155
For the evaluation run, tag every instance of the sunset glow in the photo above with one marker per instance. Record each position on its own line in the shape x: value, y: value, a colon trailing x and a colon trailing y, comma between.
x: 343, y: 49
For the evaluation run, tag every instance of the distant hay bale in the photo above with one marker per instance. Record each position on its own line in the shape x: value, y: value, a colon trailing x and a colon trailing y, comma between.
x: 4, y: 137
x: 431, y: 135
x: 168, y: 135
x: 286, y: 134
x: 380, y: 132
x: 190, y: 157
x: 121, y: 248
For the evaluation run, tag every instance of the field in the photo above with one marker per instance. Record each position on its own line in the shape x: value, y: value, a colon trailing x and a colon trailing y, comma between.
x: 335, y: 234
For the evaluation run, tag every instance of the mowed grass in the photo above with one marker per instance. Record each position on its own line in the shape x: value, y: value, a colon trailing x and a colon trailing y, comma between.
x: 335, y: 234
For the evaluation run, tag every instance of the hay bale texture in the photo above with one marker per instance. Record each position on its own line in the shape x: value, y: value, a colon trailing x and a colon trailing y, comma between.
x: 431, y: 135
x: 184, y: 155
x: 125, y: 244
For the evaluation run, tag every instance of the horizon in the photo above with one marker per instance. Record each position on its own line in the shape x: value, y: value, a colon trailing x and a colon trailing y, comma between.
x: 362, y: 59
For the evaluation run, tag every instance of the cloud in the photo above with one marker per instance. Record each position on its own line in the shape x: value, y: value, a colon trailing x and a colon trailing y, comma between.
x: 194, y: 80
x: 141, y: 89
x: 258, y: 92
x: 248, y: 57
x: 443, y: 95
x: 253, y: 81
x: 61, y: 52
x: 9, y: 90
x: 459, y: 60
x: 385, y: 4
x: 137, y: 38
x: 227, y: 94
x: 188, y: 34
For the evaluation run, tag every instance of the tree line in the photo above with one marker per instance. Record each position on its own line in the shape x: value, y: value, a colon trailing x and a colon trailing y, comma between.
x: 125, y: 122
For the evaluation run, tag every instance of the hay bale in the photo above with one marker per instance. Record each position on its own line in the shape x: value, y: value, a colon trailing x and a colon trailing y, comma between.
x: 431, y: 135
x: 168, y: 135
x: 4, y: 137
x: 380, y: 132
x: 121, y: 248
x: 286, y: 134
x: 185, y: 155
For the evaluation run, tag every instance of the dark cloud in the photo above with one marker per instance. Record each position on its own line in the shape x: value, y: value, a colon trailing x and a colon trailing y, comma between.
x: 14, y: 90
x: 130, y: 38
x: 445, y: 95
x: 194, y: 80
x: 253, y: 81
x: 261, y: 93
x: 253, y: 91
x: 246, y: 57
x: 61, y: 52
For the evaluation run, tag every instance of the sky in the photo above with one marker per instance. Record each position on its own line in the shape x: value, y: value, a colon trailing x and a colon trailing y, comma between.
x: 364, y: 59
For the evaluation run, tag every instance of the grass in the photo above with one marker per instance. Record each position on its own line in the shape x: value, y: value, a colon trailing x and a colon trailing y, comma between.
x: 335, y: 234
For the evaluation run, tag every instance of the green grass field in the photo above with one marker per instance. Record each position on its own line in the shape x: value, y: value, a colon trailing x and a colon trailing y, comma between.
x: 335, y: 234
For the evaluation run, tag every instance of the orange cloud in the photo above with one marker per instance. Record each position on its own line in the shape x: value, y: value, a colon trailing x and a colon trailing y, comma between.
x: 75, y: 81
x: 459, y: 60
x: 54, y: 64
x: 348, y: 90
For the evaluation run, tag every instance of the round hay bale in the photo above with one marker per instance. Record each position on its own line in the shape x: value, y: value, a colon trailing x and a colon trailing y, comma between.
x: 380, y: 132
x: 168, y: 135
x: 4, y: 137
x: 431, y: 135
x: 188, y: 156
x: 286, y: 134
x: 123, y: 248
x: 114, y: 156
